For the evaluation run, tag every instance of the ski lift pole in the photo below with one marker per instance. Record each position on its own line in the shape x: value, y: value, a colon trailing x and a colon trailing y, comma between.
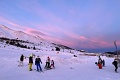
x: 116, y: 47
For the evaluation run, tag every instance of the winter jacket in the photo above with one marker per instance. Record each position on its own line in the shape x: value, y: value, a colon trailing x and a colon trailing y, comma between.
x: 115, y: 63
x: 100, y: 61
x: 38, y: 61
x: 48, y: 60
x: 52, y: 62
x: 21, y: 58
x: 30, y: 59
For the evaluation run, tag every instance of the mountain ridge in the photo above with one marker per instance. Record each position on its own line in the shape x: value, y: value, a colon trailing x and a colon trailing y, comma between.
x: 12, y: 34
x: 6, y: 32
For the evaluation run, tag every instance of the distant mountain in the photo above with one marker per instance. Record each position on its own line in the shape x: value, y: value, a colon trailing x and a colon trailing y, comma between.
x: 6, y: 32
x: 12, y: 34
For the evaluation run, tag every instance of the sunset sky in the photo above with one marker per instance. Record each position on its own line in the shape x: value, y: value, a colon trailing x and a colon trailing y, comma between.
x: 92, y: 25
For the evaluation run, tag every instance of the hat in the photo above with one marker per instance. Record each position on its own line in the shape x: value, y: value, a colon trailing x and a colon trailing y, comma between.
x: 31, y: 55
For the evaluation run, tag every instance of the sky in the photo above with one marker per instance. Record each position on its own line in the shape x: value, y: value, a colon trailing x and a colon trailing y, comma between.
x: 91, y: 25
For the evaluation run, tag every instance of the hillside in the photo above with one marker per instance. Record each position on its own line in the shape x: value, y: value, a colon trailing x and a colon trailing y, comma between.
x: 12, y: 34
x: 67, y: 67
x: 24, y: 40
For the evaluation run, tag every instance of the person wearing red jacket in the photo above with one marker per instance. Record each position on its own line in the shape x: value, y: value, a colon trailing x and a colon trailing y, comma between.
x: 100, y: 63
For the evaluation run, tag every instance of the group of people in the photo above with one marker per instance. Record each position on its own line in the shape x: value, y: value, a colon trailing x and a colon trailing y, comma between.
x: 49, y: 63
x: 101, y: 63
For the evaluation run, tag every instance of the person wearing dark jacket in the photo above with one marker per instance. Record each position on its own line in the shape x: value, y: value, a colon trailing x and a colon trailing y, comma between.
x: 115, y: 63
x: 21, y: 60
x: 37, y: 63
x: 30, y: 62
x: 103, y: 63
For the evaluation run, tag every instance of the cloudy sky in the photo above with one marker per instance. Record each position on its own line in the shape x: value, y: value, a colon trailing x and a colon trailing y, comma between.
x: 92, y: 25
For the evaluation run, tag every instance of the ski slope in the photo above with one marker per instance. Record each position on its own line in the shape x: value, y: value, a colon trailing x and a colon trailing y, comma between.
x: 67, y: 67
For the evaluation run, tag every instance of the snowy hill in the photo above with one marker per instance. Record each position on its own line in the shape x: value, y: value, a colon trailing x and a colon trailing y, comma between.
x: 69, y: 64
x: 27, y: 40
x: 9, y: 33
x: 67, y: 67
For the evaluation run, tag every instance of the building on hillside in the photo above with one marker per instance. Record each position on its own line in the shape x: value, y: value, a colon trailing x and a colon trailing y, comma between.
x: 82, y: 51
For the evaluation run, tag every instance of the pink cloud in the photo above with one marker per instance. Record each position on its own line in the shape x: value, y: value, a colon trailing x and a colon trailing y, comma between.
x: 90, y: 42
x: 71, y: 40
x: 101, y: 42
x: 59, y: 41
x: 34, y: 32
x: 72, y: 37
x: 49, y: 28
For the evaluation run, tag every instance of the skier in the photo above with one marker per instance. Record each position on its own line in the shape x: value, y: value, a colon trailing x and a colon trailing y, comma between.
x: 100, y: 63
x: 21, y: 60
x: 52, y: 64
x: 115, y: 63
x: 37, y: 63
x: 47, y: 66
x: 30, y: 62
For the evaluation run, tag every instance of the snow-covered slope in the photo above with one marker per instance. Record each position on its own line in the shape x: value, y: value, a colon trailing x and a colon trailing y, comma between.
x: 37, y: 41
x: 67, y: 67
x: 6, y: 32
x: 9, y: 33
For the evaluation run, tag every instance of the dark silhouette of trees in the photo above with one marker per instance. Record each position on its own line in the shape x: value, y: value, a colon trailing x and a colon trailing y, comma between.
x: 57, y: 48
x: 34, y: 48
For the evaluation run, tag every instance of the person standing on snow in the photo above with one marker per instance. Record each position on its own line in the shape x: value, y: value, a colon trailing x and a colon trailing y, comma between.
x: 37, y: 63
x: 21, y: 60
x: 47, y: 66
x: 115, y: 63
x: 103, y: 63
x: 30, y: 62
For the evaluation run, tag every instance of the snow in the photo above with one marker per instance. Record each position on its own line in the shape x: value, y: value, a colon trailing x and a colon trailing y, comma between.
x: 12, y: 34
x: 67, y: 67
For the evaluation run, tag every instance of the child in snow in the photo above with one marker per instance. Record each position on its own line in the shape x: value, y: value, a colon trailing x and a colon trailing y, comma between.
x: 21, y: 60
x: 52, y: 64
x: 30, y: 62
x: 100, y: 63
x: 115, y: 63
x: 37, y: 63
